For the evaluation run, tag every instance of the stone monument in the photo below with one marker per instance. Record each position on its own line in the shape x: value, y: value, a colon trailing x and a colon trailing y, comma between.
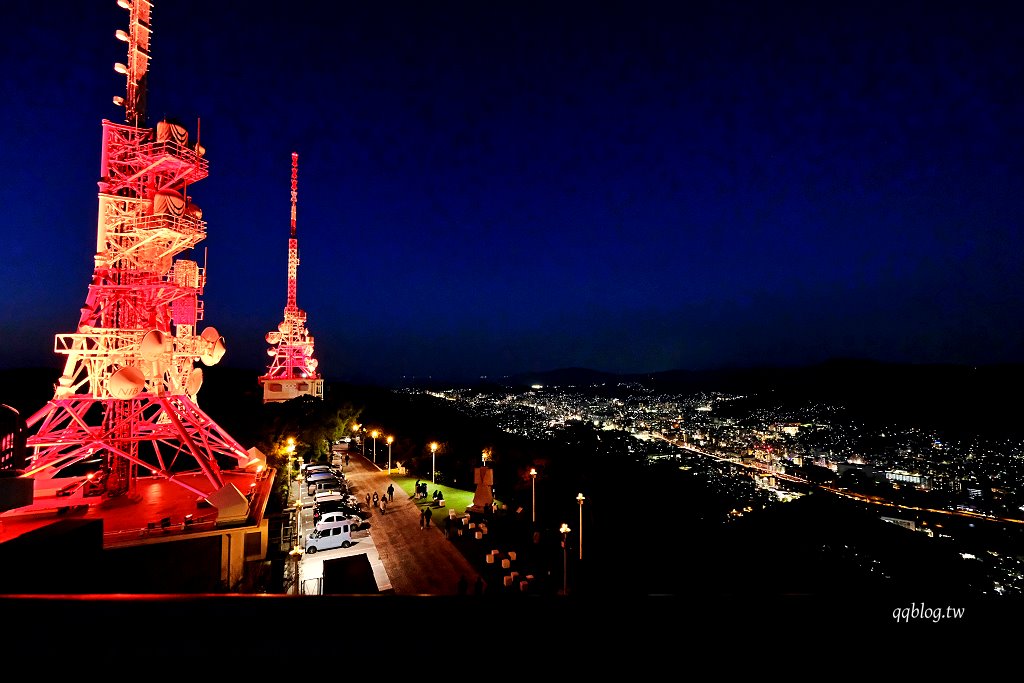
x: 483, y: 499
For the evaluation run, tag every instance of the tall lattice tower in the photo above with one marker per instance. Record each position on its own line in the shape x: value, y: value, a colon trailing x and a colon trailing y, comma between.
x: 292, y: 370
x: 127, y: 396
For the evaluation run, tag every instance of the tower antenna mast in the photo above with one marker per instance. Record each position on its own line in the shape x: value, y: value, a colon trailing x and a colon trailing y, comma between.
x: 127, y: 395
x: 136, y: 71
x: 292, y: 369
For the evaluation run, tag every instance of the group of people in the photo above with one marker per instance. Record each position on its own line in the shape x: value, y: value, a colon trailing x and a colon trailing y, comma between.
x: 381, y: 501
x: 421, y: 492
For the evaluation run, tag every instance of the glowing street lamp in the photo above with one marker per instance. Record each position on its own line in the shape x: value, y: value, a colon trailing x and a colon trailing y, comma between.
x: 374, y: 434
x: 564, y: 529
x: 533, y: 476
x: 580, y: 499
x: 433, y: 462
x: 390, y: 439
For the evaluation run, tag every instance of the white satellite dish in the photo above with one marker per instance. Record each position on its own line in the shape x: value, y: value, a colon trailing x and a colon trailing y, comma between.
x: 126, y: 383
x: 214, y: 346
x: 271, y: 352
x: 273, y: 337
x: 308, y: 351
x: 284, y: 327
x: 152, y: 345
x: 195, y: 381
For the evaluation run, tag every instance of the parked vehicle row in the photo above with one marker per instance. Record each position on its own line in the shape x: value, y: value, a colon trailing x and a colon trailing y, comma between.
x: 336, y: 512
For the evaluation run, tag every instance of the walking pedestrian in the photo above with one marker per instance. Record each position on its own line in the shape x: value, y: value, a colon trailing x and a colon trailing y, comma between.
x: 375, y: 499
x: 427, y: 515
x: 367, y: 499
x: 417, y: 494
x: 383, y: 504
x: 346, y: 460
x: 448, y: 526
x: 391, y: 492
x: 423, y: 517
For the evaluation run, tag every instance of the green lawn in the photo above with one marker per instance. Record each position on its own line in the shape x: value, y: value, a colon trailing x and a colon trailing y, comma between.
x: 454, y: 499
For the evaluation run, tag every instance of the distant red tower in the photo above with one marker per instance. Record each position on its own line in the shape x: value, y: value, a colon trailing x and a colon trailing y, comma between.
x: 125, y: 405
x: 292, y: 370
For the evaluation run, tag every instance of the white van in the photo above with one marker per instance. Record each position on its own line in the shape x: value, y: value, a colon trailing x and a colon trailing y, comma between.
x: 333, y: 535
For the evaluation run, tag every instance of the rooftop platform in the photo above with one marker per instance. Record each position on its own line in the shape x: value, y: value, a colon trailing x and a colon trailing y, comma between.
x: 157, y: 507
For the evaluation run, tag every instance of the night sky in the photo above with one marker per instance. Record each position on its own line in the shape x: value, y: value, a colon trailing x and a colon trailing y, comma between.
x: 496, y: 187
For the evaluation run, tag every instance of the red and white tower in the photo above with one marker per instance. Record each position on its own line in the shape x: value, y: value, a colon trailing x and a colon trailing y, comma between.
x: 292, y: 370
x: 127, y: 396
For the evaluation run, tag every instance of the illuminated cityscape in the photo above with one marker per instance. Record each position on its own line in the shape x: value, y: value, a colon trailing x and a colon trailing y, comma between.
x: 909, y: 476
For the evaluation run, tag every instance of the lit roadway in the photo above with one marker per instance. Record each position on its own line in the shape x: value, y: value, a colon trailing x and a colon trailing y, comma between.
x: 874, y: 500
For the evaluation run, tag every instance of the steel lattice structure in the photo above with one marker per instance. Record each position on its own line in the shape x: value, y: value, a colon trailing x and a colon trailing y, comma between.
x: 127, y: 396
x: 292, y: 370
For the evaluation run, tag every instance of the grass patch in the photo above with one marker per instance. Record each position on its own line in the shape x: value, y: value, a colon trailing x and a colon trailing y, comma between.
x: 454, y: 499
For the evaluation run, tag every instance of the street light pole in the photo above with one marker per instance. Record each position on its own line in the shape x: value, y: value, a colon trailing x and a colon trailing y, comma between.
x: 580, y: 499
x: 296, y: 554
x: 533, y: 476
x: 374, y: 434
x: 390, y: 439
x: 433, y: 462
x: 565, y: 559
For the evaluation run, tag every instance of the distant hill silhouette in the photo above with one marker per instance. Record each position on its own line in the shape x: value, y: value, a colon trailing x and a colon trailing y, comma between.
x: 955, y: 398
x: 822, y: 545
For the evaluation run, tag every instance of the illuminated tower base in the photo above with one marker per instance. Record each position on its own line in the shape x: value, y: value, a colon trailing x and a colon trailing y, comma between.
x: 276, y: 390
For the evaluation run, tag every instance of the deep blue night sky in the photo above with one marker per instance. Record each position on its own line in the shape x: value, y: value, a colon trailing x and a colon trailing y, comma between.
x: 489, y: 187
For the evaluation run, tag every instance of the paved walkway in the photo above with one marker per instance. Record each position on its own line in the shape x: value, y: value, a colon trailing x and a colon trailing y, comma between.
x: 406, y: 559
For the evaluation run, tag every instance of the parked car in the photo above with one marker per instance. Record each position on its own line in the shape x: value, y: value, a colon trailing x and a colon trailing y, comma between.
x: 310, y: 469
x: 323, y: 476
x: 335, y: 535
x: 320, y: 509
x: 326, y: 485
x: 336, y: 495
x: 329, y: 518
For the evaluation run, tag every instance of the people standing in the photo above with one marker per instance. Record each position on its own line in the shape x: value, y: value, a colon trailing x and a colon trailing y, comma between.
x: 448, y: 526
x: 391, y: 492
